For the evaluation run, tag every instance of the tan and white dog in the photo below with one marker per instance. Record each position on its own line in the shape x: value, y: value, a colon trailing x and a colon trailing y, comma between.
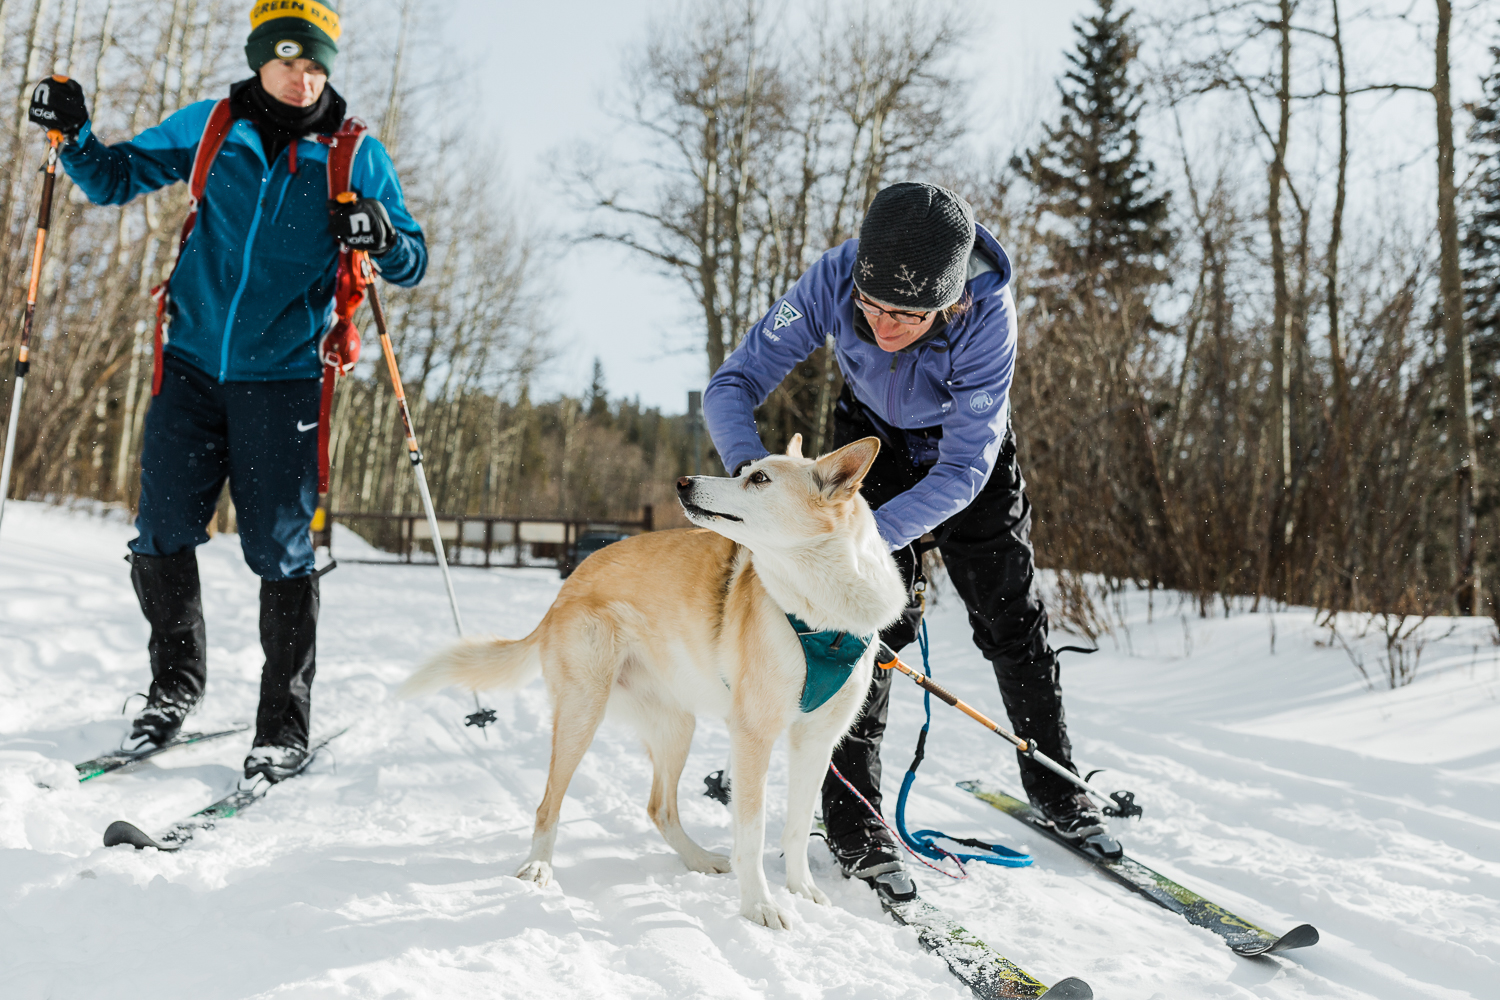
x: 670, y: 625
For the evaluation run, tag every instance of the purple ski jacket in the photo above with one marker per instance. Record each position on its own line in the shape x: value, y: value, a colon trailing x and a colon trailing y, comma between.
x: 957, y: 379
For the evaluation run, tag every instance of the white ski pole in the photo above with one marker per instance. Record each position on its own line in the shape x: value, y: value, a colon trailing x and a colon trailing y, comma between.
x: 482, y: 716
x: 412, y: 450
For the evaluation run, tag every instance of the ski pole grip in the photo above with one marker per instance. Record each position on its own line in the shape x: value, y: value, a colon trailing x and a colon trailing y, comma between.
x: 937, y: 689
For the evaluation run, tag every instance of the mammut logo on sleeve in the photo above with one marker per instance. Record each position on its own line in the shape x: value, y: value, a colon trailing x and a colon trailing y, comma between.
x: 786, y: 315
x: 981, y: 401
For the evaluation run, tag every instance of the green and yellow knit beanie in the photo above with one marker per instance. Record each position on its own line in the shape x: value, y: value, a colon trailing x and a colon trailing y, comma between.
x: 292, y: 29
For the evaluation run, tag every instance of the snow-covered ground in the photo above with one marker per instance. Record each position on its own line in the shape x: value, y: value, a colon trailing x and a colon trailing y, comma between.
x: 1275, y: 783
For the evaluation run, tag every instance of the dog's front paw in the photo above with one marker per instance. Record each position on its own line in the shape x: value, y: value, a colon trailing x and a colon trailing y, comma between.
x: 539, y: 872
x: 767, y: 914
x: 810, y: 891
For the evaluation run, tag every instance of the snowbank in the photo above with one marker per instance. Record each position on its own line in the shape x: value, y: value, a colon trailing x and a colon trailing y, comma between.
x: 1276, y: 784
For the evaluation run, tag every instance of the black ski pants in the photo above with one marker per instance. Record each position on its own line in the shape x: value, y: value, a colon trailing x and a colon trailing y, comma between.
x: 986, y: 548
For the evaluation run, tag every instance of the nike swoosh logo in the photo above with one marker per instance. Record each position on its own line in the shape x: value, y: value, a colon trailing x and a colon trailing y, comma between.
x: 306, y: 427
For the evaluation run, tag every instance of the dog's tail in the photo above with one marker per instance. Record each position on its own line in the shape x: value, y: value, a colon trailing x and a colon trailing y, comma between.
x: 477, y: 663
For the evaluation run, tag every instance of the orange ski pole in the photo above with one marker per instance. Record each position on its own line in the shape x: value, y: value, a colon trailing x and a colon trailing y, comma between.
x: 23, y: 356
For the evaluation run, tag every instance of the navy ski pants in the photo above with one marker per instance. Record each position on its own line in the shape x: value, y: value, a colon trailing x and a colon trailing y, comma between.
x: 262, y: 437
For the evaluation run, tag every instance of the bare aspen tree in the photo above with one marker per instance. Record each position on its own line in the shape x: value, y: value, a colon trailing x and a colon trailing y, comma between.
x: 1467, y: 588
x: 1279, y: 523
x: 777, y: 159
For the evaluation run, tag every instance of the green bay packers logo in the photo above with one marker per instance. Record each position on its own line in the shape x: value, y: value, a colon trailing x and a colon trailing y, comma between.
x: 288, y: 49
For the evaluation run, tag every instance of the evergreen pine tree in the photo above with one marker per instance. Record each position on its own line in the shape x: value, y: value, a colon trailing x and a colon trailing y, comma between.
x: 1109, y: 232
x: 598, y: 401
x: 1481, y: 244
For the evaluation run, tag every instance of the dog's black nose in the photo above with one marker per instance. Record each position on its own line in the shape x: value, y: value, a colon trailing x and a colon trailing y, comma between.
x: 685, y: 483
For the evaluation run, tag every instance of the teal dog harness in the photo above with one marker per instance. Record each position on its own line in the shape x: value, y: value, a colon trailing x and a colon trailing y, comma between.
x: 830, y: 657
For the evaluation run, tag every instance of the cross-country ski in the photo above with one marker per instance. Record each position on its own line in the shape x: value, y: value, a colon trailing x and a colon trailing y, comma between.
x: 176, y: 836
x: 1243, y: 937
x: 117, y: 759
x: 978, y: 966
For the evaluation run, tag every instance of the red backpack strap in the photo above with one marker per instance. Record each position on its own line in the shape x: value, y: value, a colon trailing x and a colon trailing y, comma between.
x: 339, y: 350
x: 220, y: 120
x: 343, y: 146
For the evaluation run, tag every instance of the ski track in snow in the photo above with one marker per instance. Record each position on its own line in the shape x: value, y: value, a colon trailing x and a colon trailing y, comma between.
x: 1277, y: 785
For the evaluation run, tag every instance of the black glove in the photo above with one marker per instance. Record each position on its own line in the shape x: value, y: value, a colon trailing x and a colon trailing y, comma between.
x: 362, y: 224
x: 57, y: 103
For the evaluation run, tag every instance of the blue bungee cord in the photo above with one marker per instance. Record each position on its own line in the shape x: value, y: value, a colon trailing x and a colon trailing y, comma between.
x: 923, y: 842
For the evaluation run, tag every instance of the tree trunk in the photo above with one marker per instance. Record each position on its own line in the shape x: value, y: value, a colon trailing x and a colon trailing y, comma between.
x: 1467, y: 588
x: 1281, y: 322
x: 1337, y: 355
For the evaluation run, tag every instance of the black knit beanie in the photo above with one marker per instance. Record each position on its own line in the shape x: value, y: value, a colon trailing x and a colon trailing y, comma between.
x: 914, y: 246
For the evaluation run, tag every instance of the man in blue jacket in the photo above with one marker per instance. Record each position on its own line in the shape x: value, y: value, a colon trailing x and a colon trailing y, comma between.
x: 251, y: 298
x: 924, y: 330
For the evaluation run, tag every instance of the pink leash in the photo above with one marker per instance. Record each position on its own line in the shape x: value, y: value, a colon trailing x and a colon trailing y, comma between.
x: 963, y: 873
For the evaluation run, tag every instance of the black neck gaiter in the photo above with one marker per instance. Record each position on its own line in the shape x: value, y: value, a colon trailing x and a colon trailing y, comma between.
x: 277, y: 123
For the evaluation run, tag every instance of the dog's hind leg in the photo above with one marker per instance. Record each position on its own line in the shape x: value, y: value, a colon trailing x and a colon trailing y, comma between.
x: 577, y: 715
x: 668, y: 740
x: 810, y: 745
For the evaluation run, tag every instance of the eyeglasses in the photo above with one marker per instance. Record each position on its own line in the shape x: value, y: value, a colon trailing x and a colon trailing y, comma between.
x: 902, y: 317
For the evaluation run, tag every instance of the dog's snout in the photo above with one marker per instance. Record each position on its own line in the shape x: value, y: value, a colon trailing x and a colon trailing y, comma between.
x: 685, y: 483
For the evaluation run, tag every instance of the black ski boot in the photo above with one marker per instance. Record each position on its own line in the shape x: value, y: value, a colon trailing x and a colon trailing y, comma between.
x: 873, y: 855
x: 172, y: 602
x: 1076, y: 817
x: 288, y: 636
x: 161, y: 719
x: 275, y: 763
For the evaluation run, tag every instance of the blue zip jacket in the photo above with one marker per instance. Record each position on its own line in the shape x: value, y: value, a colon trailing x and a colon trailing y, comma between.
x: 957, y: 379
x: 253, y: 291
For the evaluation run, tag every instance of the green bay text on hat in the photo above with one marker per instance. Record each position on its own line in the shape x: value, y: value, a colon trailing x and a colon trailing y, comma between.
x: 292, y: 29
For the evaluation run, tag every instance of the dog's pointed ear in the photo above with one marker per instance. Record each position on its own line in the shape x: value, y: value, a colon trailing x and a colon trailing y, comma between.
x: 844, y: 470
x: 794, y: 446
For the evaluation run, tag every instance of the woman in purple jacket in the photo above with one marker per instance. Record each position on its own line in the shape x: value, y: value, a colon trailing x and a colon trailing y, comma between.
x: 923, y: 325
